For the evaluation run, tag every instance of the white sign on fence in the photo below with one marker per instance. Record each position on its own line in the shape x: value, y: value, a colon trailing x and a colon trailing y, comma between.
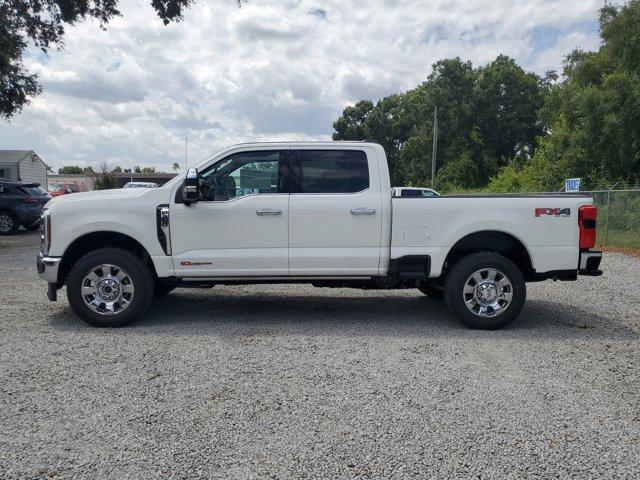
x: 572, y: 185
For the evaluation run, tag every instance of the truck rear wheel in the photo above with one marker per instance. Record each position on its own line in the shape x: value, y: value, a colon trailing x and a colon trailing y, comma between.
x: 110, y: 287
x: 485, y: 290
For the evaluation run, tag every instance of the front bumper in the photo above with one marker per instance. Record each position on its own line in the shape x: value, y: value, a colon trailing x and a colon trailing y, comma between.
x: 48, y: 267
x: 589, y: 263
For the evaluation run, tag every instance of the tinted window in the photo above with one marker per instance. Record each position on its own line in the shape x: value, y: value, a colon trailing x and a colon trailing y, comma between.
x: 410, y: 193
x: 246, y: 173
x: 34, y: 190
x: 330, y: 171
x: 417, y: 193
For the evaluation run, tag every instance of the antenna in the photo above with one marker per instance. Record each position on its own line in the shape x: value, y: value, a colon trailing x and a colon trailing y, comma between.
x: 186, y: 154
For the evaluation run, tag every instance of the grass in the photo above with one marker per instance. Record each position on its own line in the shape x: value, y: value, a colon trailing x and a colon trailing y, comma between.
x: 634, y: 252
x: 618, y: 239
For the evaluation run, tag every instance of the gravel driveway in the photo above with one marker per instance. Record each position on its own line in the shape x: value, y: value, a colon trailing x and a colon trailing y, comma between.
x: 298, y: 382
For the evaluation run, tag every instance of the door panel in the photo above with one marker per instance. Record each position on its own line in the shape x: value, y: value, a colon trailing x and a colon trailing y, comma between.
x: 230, y: 238
x: 337, y: 232
x: 240, y: 227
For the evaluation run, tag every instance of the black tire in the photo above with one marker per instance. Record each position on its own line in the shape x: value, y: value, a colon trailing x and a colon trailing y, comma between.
x: 140, y: 276
x: 164, y: 287
x: 461, y: 272
x: 32, y: 228
x: 8, y: 223
x: 432, y: 291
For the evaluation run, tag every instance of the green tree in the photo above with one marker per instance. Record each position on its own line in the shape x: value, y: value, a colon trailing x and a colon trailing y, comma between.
x: 508, y: 100
x: 103, y: 178
x: 42, y: 23
x: 352, y: 124
x: 593, y: 116
x: 70, y: 169
x: 486, y: 117
x: 175, y: 167
x: 382, y: 123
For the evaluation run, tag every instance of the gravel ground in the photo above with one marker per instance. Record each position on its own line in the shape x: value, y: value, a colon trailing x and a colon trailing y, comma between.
x: 298, y: 382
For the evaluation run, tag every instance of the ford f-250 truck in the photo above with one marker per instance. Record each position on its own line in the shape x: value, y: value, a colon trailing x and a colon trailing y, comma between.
x: 319, y: 213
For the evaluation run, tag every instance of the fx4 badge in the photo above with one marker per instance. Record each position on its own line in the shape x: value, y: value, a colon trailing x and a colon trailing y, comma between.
x: 554, y: 212
x: 193, y: 264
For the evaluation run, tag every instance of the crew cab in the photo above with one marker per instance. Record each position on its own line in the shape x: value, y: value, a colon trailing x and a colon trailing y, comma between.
x: 319, y: 213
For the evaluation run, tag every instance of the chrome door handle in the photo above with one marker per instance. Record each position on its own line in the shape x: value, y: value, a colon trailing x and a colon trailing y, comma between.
x: 363, y: 211
x: 268, y: 211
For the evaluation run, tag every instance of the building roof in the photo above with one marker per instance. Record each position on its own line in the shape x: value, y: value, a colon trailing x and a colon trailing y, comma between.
x: 13, y: 157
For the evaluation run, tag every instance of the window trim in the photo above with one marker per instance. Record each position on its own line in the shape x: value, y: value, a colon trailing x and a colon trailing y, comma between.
x: 295, y: 154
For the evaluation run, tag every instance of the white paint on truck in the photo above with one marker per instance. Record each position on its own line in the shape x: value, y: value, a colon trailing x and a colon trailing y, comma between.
x: 284, y: 230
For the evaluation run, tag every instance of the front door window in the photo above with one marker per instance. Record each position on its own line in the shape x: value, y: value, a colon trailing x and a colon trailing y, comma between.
x: 246, y: 173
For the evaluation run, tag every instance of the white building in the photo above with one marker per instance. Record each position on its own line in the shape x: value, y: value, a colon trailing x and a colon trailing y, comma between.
x: 23, y: 165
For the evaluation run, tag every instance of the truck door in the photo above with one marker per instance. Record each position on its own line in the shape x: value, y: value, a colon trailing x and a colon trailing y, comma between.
x: 334, y: 212
x: 240, y: 226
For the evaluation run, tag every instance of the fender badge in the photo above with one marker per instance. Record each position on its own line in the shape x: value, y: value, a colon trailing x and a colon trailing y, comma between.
x: 194, y: 264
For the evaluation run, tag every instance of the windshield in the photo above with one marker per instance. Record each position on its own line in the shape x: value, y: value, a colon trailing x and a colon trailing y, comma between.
x: 35, y: 190
x: 56, y: 187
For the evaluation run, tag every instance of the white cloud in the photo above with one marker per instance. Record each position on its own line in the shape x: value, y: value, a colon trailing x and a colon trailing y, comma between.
x: 272, y: 70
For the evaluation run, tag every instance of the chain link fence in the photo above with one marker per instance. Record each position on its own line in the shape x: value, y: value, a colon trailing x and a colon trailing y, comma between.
x: 618, y: 216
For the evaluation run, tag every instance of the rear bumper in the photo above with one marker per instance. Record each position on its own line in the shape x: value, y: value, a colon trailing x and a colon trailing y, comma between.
x: 590, y: 263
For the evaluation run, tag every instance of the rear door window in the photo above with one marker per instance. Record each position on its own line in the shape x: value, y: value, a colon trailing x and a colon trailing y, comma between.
x: 329, y: 171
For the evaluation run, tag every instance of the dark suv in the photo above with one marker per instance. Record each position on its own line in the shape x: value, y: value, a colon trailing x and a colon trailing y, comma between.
x: 21, y: 204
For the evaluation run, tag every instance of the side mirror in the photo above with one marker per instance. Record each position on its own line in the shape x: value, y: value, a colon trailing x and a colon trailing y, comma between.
x: 190, y: 191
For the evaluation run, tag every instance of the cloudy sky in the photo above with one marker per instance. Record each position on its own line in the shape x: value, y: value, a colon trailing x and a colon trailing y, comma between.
x: 271, y: 70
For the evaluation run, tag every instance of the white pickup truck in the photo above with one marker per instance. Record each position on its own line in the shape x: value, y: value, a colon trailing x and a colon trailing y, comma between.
x: 319, y: 213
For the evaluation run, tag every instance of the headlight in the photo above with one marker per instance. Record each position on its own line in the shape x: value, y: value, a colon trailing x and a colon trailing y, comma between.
x: 45, y: 238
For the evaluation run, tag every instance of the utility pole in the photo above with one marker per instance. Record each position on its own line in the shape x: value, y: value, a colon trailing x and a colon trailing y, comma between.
x: 435, y: 148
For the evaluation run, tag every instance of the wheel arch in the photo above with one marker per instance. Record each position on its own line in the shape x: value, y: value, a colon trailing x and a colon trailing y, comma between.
x: 496, y: 241
x: 95, y: 240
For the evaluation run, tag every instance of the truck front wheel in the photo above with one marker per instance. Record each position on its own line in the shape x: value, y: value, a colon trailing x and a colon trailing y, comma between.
x: 485, y: 290
x: 110, y: 287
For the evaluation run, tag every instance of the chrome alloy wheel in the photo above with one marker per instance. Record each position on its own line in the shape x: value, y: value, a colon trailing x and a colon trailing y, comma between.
x: 6, y: 223
x: 487, y: 292
x: 107, y: 289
